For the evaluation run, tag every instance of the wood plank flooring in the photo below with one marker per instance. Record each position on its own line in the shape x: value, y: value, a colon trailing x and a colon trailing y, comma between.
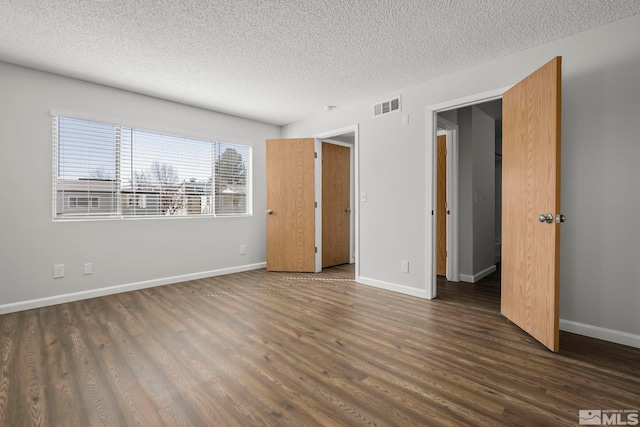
x: 262, y: 349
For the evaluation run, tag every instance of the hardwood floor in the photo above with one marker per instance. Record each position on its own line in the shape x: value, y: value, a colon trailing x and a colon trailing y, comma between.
x: 260, y: 348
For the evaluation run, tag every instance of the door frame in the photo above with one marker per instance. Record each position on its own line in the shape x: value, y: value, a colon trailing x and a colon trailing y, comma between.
x: 354, y: 223
x: 432, y: 122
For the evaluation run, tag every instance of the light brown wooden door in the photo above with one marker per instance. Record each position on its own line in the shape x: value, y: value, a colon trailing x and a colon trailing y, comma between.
x: 336, y: 204
x: 531, y: 187
x: 441, y: 207
x: 290, y: 199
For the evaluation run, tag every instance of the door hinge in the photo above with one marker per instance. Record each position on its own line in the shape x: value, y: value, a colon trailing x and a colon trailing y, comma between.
x: 316, y: 249
x: 432, y: 212
x: 315, y: 155
x: 315, y: 204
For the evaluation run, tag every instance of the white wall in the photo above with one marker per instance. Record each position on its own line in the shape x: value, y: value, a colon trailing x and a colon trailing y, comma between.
x: 465, y: 194
x: 476, y: 136
x: 600, y: 248
x: 484, y: 188
x: 137, y: 252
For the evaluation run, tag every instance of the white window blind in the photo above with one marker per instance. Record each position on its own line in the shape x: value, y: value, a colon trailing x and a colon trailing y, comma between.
x: 107, y: 170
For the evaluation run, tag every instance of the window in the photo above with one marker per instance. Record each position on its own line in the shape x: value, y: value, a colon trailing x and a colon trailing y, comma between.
x: 83, y: 202
x: 107, y: 170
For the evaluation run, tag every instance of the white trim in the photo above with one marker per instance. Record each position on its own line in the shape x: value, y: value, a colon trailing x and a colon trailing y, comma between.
x: 336, y: 132
x: 406, y: 290
x: 334, y: 142
x: 467, y: 101
x: 605, y: 334
x: 355, y: 190
x: 430, y: 197
x: 69, y: 219
x: 77, y: 296
x: 478, y: 276
x: 431, y: 128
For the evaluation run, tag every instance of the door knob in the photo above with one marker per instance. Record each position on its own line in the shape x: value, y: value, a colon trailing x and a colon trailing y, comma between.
x: 348, y: 210
x: 269, y: 211
x: 548, y: 218
x: 560, y: 218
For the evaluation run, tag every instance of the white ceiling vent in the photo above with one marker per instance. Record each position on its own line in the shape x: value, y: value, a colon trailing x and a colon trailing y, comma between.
x: 386, y: 107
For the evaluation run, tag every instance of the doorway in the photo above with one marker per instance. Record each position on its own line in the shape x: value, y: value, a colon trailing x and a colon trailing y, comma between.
x: 438, y: 116
x: 295, y: 200
x: 343, y: 139
x: 469, y: 178
x: 530, y: 256
x: 336, y: 204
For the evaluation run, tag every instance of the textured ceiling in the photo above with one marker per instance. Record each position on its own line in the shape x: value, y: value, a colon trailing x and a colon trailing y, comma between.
x: 279, y: 61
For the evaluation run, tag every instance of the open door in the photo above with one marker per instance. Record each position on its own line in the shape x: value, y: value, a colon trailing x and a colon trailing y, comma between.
x: 531, y: 204
x: 290, y: 205
x: 336, y: 204
x: 441, y: 207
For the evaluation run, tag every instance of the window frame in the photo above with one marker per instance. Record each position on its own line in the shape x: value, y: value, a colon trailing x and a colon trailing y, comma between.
x: 60, y: 202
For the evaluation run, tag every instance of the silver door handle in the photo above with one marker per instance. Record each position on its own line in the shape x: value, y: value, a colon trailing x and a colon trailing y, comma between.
x: 560, y: 218
x: 548, y: 218
x: 269, y: 211
x: 348, y: 210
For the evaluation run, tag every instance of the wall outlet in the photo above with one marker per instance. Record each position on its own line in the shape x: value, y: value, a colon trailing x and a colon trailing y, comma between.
x: 404, y: 266
x: 58, y: 271
x: 243, y: 249
x: 88, y: 268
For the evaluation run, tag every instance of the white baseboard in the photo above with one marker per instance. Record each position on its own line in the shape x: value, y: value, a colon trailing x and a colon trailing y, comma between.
x: 77, y: 296
x: 407, y: 290
x: 473, y: 279
x: 605, y: 334
x: 466, y: 278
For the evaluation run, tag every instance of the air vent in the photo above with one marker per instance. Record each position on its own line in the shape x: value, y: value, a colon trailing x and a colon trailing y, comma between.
x: 386, y: 107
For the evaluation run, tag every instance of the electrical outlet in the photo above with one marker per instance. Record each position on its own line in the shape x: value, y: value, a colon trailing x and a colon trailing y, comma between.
x: 88, y: 268
x: 58, y: 271
x: 404, y: 266
x: 243, y: 249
